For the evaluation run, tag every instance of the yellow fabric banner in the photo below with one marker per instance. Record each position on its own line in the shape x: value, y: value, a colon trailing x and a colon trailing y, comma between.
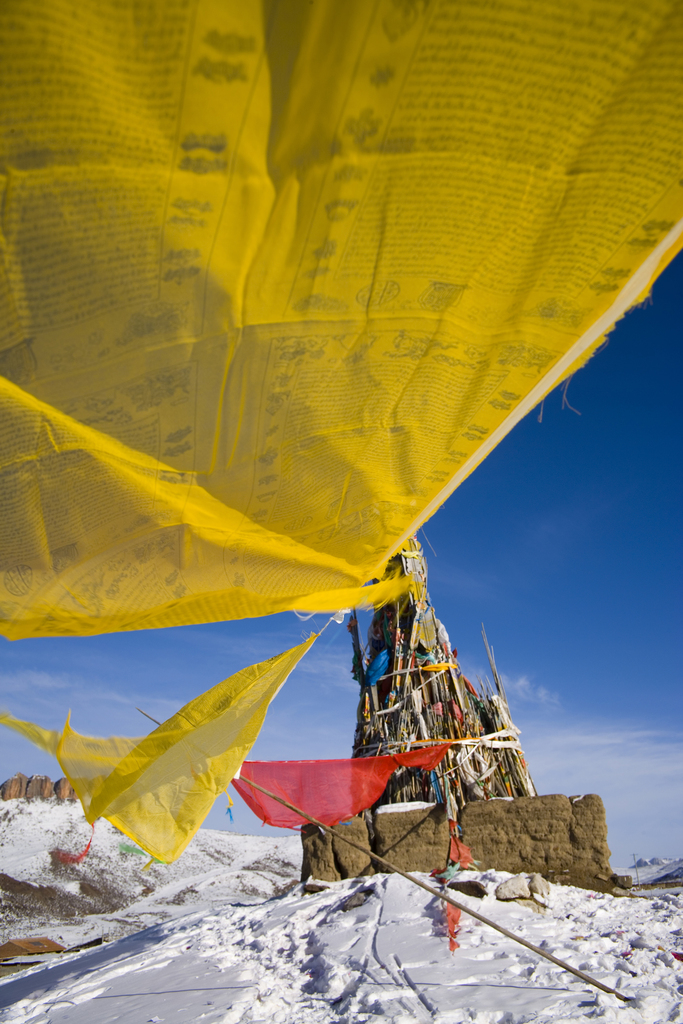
x: 46, y: 739
x: 158, y: 789
x: 275, y: 277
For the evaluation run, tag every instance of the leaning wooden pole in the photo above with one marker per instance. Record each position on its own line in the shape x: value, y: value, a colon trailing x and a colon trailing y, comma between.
x: 441, y: 895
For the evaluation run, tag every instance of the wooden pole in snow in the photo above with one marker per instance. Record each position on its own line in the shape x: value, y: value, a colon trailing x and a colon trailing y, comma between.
x: 441, y: 895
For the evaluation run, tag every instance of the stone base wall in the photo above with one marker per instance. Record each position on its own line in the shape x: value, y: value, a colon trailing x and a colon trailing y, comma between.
x: 412, y: 840
x: 331, y: 859
x: 564, y: 839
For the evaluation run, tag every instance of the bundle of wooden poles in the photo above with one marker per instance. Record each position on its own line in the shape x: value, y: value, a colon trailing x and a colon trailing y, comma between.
x: 417, y: 694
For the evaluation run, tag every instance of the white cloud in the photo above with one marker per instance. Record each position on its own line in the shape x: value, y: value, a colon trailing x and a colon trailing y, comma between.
x: 17, y: 683
x: 522, y: 689
x: 330, y: 668
x: 519, y: 689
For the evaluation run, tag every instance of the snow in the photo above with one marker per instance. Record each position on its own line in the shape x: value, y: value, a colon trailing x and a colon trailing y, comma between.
x: 243, y: 952
x: 412, y: 805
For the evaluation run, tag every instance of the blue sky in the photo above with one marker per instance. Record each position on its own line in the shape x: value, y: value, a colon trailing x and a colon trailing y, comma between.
x: 565, y: 542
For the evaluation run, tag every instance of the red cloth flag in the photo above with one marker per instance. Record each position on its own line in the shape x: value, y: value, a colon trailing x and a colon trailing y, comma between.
x: 453, y: 921
x: 331, y: 791
x: 459, y: 853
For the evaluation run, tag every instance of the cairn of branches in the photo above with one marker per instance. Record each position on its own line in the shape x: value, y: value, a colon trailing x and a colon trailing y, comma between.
x: 414, y: 692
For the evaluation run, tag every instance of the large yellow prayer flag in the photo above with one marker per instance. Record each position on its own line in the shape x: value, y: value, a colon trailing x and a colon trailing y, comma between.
x: 275, y: 277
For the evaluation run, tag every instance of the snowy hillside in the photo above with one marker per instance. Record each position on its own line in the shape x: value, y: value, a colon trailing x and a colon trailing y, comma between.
x: 109, y: 894
x: 657, y: 869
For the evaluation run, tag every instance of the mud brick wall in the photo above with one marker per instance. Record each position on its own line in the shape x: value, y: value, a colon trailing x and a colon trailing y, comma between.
x: 412, y: 840
x: 331, y: 859
x: 564, y: 839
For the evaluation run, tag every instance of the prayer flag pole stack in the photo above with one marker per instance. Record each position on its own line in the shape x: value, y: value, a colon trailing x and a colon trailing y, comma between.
x: 413, y: 692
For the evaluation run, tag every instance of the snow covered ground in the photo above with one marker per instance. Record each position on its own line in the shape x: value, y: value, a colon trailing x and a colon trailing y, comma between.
x: 299, y: 958
x: 241, y: 952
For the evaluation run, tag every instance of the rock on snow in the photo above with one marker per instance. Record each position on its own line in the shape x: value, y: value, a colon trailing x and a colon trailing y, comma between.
x: 513, y: 888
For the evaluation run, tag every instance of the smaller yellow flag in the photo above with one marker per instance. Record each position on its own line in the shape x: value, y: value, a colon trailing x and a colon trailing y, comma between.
x: 158, y: 789
x: 46, y: 739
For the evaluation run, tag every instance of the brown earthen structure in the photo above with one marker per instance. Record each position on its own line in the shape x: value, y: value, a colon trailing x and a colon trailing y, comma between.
x: 416, y: 694
x: 562, y: 838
